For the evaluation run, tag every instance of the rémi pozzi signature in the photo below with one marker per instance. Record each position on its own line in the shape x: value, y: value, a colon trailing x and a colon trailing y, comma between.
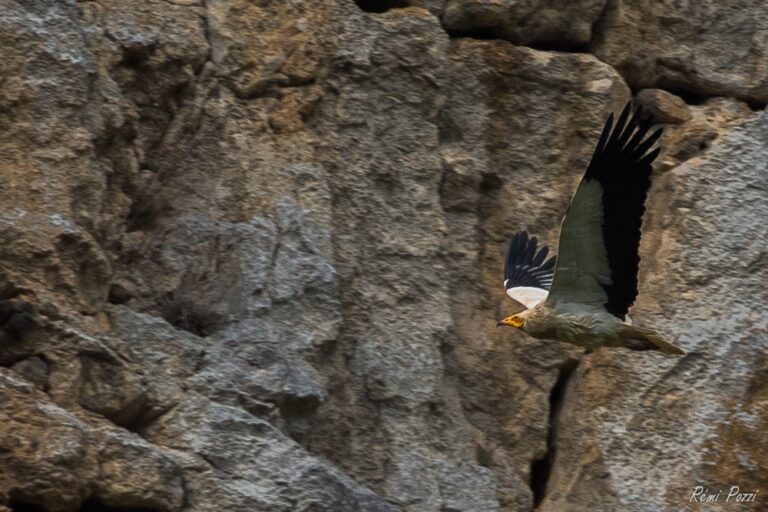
x: 703, y: 494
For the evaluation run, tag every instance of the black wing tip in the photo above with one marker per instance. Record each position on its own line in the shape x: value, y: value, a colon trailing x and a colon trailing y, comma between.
x: 624, y: 167
x: 524, y: 239
x: 525, y: 263
x: 637, y: 118
x: 625, y: 143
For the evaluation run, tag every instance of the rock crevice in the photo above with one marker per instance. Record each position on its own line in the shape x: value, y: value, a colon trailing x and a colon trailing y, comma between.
x: 541, y: 468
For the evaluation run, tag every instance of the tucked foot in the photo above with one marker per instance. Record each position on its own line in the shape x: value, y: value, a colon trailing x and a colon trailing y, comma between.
x: 639, y: 345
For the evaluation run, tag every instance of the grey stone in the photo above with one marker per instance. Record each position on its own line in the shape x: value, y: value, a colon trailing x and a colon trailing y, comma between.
x: 702, y: 280
x: 707, y: 48
x: 665, y: 108
x: 251, y: 466
x: 311, y: 204
x: 134, y: 473
x: 57, y: 459
x: 552, y: 23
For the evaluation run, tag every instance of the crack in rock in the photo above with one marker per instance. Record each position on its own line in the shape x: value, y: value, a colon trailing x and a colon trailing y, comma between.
x: 541, y: 468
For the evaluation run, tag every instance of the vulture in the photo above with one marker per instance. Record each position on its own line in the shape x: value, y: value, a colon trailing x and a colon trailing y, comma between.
x: 582, y: 295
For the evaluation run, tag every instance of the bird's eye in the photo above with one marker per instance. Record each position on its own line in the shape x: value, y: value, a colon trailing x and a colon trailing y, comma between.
x: 517, y: 321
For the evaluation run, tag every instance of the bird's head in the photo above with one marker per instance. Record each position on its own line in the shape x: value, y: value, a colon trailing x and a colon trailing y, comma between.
x: 517, y: 321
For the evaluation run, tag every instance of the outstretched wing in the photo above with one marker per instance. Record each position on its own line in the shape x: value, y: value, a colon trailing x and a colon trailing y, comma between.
x: 600, y: 234
x: 527, y: 276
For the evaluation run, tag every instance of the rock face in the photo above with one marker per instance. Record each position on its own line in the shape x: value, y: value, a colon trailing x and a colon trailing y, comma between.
x: 551, y: 23
x: 707, y: 48
x: 623, y: 415
x: 251, y: 258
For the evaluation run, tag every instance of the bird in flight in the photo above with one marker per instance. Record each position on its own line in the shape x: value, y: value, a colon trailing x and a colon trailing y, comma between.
x: 582, y: 295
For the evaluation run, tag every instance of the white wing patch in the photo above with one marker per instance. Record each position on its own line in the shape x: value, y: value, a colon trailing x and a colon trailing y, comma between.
x: 528, y: 296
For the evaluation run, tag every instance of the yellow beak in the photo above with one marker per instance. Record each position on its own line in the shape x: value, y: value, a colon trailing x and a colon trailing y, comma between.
x: 512, y: 321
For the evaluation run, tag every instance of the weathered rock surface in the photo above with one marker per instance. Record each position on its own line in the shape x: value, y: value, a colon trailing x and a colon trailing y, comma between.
x: 665, y: 108
x: 709, y: 47
x: 251, y: 252
x: 694, y: 419
x: 550, y: 23
x: 57, y: 459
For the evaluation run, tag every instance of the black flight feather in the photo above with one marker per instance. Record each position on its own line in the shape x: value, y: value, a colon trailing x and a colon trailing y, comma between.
x: 622, y: 165
x: 524, y: 266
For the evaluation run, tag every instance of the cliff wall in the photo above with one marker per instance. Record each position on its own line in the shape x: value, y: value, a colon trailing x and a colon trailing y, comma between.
x: 251, y: 255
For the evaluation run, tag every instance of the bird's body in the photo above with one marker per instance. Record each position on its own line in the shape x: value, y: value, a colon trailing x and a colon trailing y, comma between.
x: 582, y: 296
x: 589, y: 329
x: 564, y: 322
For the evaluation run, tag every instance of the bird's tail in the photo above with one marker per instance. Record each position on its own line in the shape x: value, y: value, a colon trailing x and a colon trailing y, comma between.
x: 633, y: 333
